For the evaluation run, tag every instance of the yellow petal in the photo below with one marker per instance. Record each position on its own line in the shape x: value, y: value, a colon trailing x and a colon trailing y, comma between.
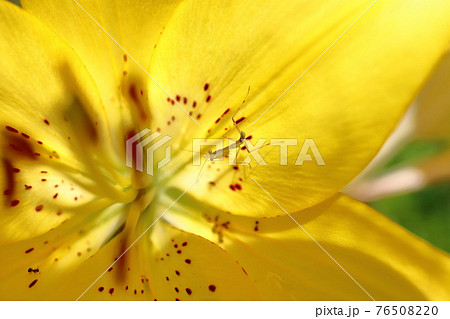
x: 164, y: 264
x: 133, y: 28
x: 286, y: 264
x: 46, y: 267
x: 53, y: 132
x: 46, y: 94
x: 108, y: 277
x: 433, y: 114
x: 185, y: 266
x: 360, y: 86
x: 38, y: 198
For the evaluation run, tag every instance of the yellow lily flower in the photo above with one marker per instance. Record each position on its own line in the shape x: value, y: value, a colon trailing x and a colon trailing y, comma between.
x: 81, y: 77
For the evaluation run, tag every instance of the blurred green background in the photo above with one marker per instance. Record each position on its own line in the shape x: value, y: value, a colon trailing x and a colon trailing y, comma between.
x: 426, y: 212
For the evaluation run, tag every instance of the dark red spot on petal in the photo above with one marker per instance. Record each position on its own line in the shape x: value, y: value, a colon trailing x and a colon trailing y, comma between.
x: 176, y: 289
x: 185, y: 100
x: 11, y: 129
x: 54, y: 196
x: 238, y: 186
x: 111, y: 291
x: 14, y: 202
x: 188, y: 291
x: 187, y: 261
x: 25, y: 135
x: 177, y: 272
x: 125, y: 58
x: 194, y: 104
x: 232, y: 187
x: 184, y: 244
x: 46, y: 122
x: 206, y: 87
x: 208, y: 98
x: 29, y: 250
x: 178, y: 98
x: 39, y: 208
x: 226, y: 111
x: 212, y: 288
x: 32, y: 283
x: 101, y: 289
x: 217, y: 121
x: 240, y: 120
